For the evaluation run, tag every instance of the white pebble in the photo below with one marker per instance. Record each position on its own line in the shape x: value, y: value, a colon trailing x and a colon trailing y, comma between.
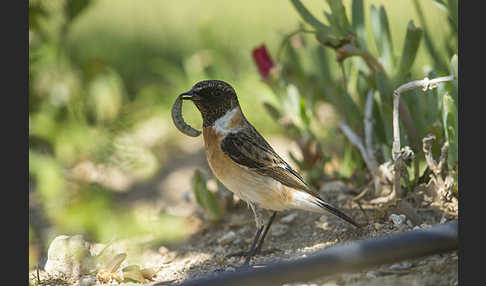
x: 227, y: 238
x: 289, y: 218
x: 323, y: 218
x: 398, y: 220
x: 68, y: 255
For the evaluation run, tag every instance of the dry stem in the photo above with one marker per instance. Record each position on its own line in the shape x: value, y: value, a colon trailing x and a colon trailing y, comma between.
x: 442, y: 186
x: 396, y: 151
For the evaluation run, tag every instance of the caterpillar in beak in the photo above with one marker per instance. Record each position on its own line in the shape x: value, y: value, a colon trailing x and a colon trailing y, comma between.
x: 179, y: 120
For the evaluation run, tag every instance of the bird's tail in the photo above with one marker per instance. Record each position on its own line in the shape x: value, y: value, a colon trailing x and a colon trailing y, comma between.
x: 328, y: 207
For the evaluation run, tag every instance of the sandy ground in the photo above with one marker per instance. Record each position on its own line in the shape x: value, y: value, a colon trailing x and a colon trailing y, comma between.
x: 294, y: 233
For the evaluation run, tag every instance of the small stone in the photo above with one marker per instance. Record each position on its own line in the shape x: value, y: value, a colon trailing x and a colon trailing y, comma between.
x: 397, y: 220
x: 400, y: 266
x: 219, y: 249
x: 231, y: 269
x: 371, y: 274
x: 87, y: 280
x: 323, y: 218
x: 227, y: 238
x: 289, y: 218
x: 443, y: 219
x: 68, y: 255
x: 424, y: 225
x: 409, y: 223
x: 279, y: 229
x: 378, y: 226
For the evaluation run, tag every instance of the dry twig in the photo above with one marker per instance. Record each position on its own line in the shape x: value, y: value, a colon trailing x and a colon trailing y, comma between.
x: 397, y: 152
x: 442, y: 186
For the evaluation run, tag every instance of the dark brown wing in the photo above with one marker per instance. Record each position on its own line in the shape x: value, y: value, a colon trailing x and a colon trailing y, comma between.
x: 248, y: 148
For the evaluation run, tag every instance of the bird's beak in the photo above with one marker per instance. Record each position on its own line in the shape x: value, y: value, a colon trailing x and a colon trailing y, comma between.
x: 189, y: 96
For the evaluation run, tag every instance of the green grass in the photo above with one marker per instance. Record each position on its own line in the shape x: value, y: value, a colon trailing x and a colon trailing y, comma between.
x: 158, y: 46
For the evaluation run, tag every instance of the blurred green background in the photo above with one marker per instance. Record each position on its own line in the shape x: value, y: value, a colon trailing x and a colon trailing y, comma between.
x: 103, y: 75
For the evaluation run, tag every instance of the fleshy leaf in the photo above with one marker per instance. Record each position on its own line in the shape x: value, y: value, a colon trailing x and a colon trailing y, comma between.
x: 205, y: 198
x: 382, y: 36
x: 454, y: 67
x: 410, y: 48
x: 449, y: 117
x: 358, y: 21
x: 308, y: 17
x: 339, y: 15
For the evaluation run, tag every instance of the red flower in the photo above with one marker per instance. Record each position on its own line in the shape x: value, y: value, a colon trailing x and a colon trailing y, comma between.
x: 263, y: 61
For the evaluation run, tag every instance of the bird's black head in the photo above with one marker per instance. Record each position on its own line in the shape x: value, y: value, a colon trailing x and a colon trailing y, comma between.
x: 213, y: 98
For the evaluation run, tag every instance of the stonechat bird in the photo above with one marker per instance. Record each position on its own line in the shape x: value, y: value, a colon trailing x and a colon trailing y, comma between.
x: 246, y: 164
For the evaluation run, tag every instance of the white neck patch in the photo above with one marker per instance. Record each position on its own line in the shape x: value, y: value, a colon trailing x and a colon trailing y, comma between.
x: 222, y: 125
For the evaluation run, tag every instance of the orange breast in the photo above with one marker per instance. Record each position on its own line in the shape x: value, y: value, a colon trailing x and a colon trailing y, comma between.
x: 246, y: 184
x: 222, y: 166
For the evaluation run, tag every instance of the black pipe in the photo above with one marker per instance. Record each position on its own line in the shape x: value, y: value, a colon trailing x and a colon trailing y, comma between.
x: 350, y: 257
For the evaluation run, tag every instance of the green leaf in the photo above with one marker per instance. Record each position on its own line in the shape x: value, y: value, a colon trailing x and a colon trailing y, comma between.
x: 292, y: 105
x: 410, y: 48
x: 384, y: 101
x: 380, y: 126
x: 384, y: 86
x: 449, y: 117
x: 352, y: 111
x: 36, y: 13
x: 293, y: 60
x: 382, y: 36
x: 441, y: 4
x: 75, y: 7
x: 308, y: 17
x: 454, y: 71
x: 358, y: 21
x: 272, y: 111
x: 334, y: 25
x: 304, y: 116
x: 453, y: 6
x: 438, y: 59
x: 431, y: 104
x: 454, y: 67
x: 339, y: 15
x: 327, y: 39
x: 322, y: 64
x: 205, y: 198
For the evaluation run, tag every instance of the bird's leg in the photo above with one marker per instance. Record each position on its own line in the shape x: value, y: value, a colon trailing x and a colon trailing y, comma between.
x: 253, y: 246
x: 267, y: 227
x: 259, y: 221
x: 259, y: 239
